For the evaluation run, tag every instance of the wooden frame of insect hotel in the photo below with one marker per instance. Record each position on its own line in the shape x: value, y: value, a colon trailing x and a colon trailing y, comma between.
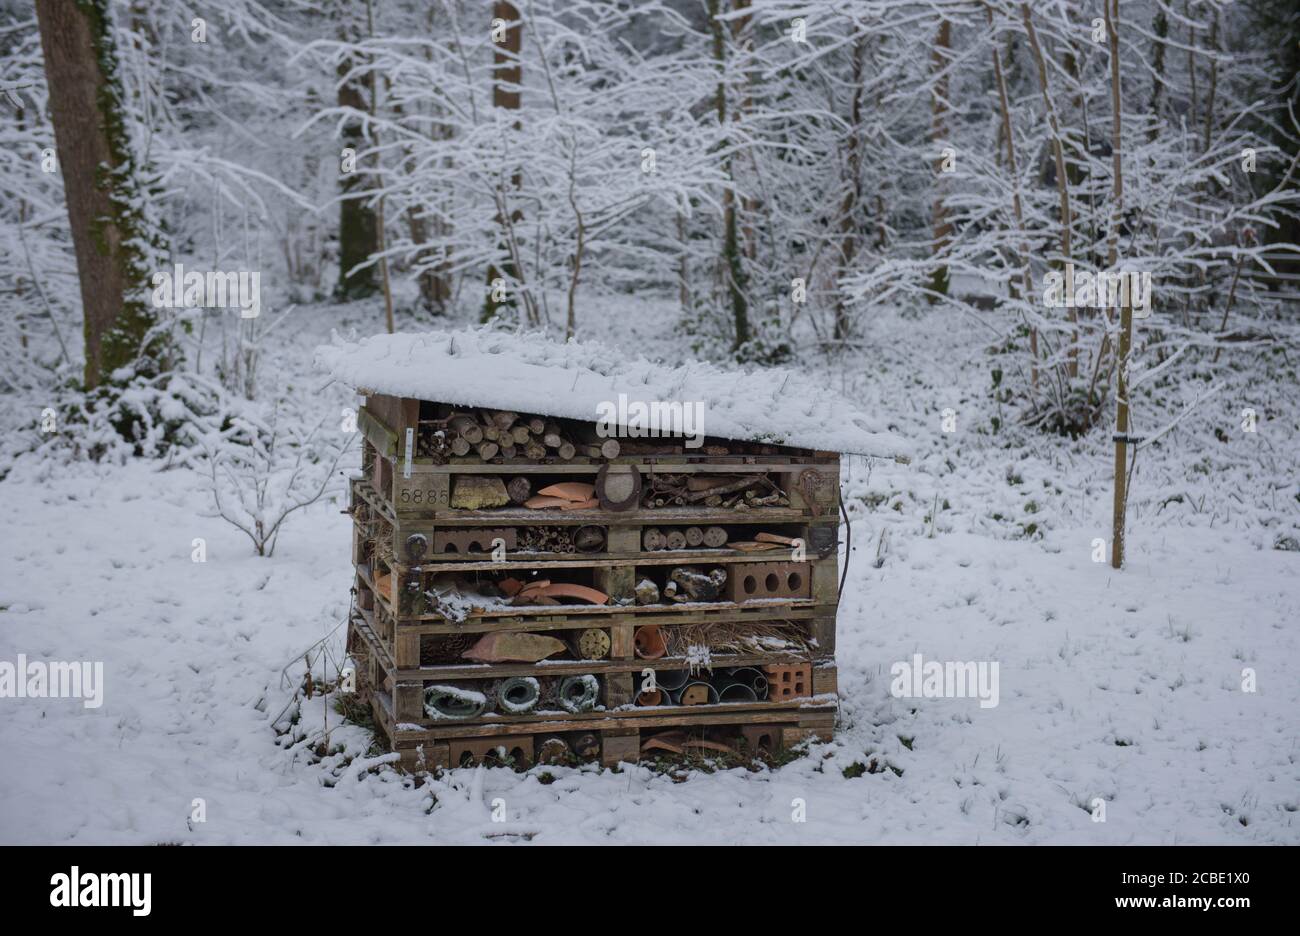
x: 540, y: 578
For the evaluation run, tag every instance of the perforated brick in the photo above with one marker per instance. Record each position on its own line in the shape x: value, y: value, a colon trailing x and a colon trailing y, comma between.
x: 788, y: 682
x: 750, y: 580
x: 463, y: 541
x: 466, y: 752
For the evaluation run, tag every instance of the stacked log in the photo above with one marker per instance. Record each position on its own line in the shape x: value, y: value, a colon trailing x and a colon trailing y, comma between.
x: 500, y: 434
x: 654, y: 539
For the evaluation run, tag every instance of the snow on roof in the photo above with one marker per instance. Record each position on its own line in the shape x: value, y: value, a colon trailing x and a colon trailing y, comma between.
x: 530, y: 373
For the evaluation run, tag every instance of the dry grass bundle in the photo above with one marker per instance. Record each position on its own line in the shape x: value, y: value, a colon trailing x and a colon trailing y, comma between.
x: 441, y: 651
x: 383, y: 540
x: 734, y: 637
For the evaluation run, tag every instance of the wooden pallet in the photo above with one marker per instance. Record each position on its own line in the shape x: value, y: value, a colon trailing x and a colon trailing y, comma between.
x: 619, y: 739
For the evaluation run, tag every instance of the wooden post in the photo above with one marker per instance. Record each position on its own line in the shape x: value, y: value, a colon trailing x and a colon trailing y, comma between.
x: 1121, y: 435
x: 1126, y: 309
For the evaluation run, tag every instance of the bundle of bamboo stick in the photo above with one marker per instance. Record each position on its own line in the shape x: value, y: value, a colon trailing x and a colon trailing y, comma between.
x: 683, y: 490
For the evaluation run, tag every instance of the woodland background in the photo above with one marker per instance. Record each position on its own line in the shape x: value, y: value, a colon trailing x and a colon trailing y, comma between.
x: 762, y: 183
x: 809, y: 164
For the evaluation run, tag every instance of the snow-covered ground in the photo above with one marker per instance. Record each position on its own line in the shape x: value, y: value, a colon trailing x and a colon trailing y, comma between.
x: 1124, y: 686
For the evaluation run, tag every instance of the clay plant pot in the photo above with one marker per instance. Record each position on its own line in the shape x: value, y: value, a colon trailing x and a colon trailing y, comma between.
x: 650, y: 642
x: 653, y: 697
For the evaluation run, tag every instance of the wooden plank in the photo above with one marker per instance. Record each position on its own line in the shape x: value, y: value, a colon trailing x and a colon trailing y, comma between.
x: 620, y: 642
x: 616, y: 749
x: 694, y: 614
x: 820, y: 725
x: 825, y: 680
x: 409, y: 418
x: 362, y: 625
x: 825, y: 492
x: 826, y: 580
x: 622, y: 540
x: 411, y: 602
x: 408, y: 702
x: 649, y: 516
x: 419, y: 494
x: 788, y: 718
x: 545, y: 617
x: 663, y: 464
x: 381, y: 436
x: 424, y: 756
x: 823, y: 631
x: 618, y: 690
x: 744, y: 711
x: 387, y: 409
x: 362, y: 489
x: 528, y: 561
x: 452, y: 672
x: 427, y: 625
x: 595, y: 615
x: 406, y: 651
x: 381, y: 705
x: 628, y: 664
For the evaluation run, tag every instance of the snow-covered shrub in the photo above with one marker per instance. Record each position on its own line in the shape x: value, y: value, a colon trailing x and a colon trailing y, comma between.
x: 262, y: 469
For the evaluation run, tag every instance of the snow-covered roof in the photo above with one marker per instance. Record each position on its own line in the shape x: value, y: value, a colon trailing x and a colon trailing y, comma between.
x: 530, y: 373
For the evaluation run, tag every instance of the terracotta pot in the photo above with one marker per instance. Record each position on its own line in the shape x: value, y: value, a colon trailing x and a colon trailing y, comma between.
x: 650, y: 642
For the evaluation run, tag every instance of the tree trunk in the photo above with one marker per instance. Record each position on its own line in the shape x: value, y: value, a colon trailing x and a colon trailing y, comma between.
x: 508, y: 73
x: 1008, y: 135
x: 683, y: 265
x: 852, y: 190
x: 1062, y: 178
x: 938, y: 135
x: 732, y: 261
x: 381, y: 242
x: 358, y: 226
x: 435, y: 284
x: 425, y: 223
x: 1160, y: 27
x: 117, y: 249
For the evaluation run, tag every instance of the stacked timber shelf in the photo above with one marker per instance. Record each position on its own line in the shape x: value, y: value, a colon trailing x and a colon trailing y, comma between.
x: 531, y: 588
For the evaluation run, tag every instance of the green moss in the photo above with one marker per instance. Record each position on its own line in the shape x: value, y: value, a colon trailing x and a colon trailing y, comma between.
x: 135, y: 342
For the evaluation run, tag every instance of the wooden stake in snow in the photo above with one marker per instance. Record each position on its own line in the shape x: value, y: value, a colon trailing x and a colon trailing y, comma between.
x: 1126, y: 311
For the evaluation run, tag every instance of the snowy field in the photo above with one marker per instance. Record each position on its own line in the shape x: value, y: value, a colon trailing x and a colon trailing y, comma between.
x: 1124, y: 686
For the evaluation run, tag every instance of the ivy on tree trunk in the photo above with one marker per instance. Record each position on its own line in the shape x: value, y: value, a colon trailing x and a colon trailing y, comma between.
x: 118, y: 243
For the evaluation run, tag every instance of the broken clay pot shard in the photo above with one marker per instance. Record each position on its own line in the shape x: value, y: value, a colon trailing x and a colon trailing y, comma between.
x: 570, y: 490
x: 514, y: 648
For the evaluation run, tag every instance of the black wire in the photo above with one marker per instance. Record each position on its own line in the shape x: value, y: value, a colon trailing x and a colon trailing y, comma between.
x: 848, y: 544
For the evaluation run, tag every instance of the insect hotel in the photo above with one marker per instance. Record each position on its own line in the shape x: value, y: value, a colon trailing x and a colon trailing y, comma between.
x: 543, y: 575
